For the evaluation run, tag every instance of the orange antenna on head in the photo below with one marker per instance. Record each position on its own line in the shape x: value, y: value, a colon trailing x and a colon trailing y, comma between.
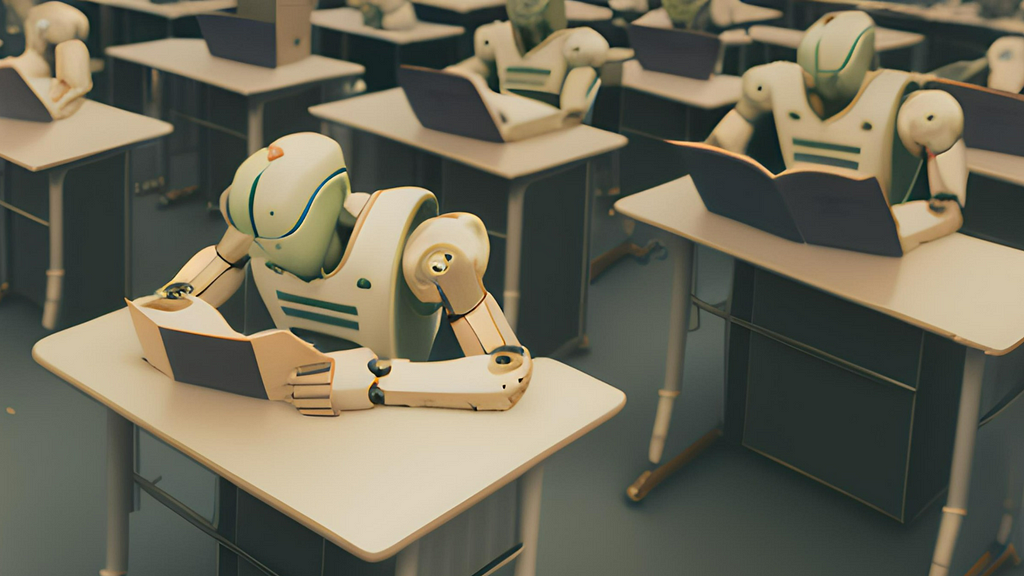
x: 274, y: 152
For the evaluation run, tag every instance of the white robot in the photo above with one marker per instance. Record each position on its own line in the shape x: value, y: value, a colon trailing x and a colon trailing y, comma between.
x: 387, y: 14
x: 831, y: 110
x: 287, y: 210
x: 533, y: 54
x: 54, y: 32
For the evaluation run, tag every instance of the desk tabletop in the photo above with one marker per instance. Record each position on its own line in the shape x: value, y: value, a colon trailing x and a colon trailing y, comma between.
x: 461, y: 6
x: 95, y: 129
x: 962, y: 288
x: 388, y: 114
x: 190, y: 58
x: 718, y: 91
x: 886, y: 39
x: 350, y: 21
x: 370, y: 481
x: 1005, y: 167
x: 172, y: 10
x: 966, y: 14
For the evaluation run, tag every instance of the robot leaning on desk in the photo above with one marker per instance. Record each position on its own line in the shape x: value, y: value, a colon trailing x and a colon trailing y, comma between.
x: 288, y: 210
x: 54, y: 32
x: 831, y: 109
x: 533, y: 54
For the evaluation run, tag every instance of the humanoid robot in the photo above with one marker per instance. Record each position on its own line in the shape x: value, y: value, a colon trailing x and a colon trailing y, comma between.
x: 54, y: 49
x: 288, y: 209
x: 534, y: 55
x: 386, y: 14
x: 711, y: 16
x: 831, y: 110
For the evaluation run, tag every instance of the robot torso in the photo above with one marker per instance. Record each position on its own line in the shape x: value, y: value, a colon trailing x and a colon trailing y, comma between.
x: 539, y: 73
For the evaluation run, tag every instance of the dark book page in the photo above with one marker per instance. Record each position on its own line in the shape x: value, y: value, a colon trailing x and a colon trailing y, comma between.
x: 18, y: 101
x: 447, y: 103
x: 233, y: 38
x: 223, y: 364
x: 738, y: 188
x: 840, y: 212
x: 679, y: 52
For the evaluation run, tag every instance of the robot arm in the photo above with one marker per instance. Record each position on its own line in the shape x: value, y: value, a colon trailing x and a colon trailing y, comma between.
x: 215, y: 272
x: 1006, y: 64
x: 397, y: 14
x: 585, y: 51
x: 444, y: 263
x: 73, y: 78
x: 734, y: 132
x: 482, y: 61
x: 931, y: 123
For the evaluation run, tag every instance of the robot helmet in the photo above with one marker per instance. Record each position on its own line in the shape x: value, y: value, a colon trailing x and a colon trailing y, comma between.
x: 837, y: 51
x: 535, y: 13
x: 289, y: 196
x: 684, y: 12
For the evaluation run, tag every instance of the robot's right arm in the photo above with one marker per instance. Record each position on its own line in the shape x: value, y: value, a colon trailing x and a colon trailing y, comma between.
x: 1006, y: 64
x: 482, y: 61
x: 73, y: 78
x: 396, y: 14
x: 215, y: 272
x: 734, y: 132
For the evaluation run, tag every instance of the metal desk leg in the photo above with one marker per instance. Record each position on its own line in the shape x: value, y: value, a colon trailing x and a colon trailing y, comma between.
x: 55, y: 274
x: 408, y: 562
x: 152, y: 93
x: 513, y: 251
x: 119, y: 492
x: 254, y: 133
x: 681, y: 251
x: 963, y: 454
x: 529, y: 520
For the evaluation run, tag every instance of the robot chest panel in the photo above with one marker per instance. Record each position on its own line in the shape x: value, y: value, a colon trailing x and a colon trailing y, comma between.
x: 858, y: 138
x: 542, y: 69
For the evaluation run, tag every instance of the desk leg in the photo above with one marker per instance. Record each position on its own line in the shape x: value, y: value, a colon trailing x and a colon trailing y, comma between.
x: 254, y: 133
x: 152, y: 93
x: 963, y: 455
x: 119, y: 492
x: 408, y: 562
x: 529, y: 493
x: 682, y: 251
x: 513, y: 251
x: 55, y: 274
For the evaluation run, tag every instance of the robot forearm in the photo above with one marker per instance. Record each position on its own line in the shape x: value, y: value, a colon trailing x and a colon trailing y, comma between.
x: 578, y: 91
x: 947, y: 174
x: 733, y: 133
x: 931, y: 123
x: 73, y: 76
x: 215, y: 272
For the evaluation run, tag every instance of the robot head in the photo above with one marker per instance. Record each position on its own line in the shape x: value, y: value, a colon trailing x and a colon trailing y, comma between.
x: 533, y: 14
x: 683, y: 12
x: 837, y: 51
x: 51, y: 23
x: 289, y: 196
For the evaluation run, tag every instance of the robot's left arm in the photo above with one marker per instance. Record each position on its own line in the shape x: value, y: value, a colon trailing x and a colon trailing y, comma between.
x: 931, y: 123
x: 73, y: 78
x: 585, y: 52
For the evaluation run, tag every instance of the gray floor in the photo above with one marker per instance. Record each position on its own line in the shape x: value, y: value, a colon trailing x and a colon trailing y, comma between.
x: 731, y: 513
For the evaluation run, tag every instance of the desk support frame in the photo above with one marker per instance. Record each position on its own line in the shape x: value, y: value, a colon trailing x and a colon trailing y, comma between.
x: 120, y: 491
x: 955, y: 510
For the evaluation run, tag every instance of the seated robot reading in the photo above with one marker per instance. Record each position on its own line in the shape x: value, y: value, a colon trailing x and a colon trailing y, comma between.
x: 54, y: 32
x: 831, y: 110
x: 534, y: 55
x: 287, y: 209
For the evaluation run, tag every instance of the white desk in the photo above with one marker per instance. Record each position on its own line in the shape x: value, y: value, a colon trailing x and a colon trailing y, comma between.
x: 189, y: 58
x: 718, y: 91
x: 886, y: 40
x: 375, y: 498
x: 340, y: 32
x: 171, y: 12
x: 96, y: 131
x: 982, y: 278
x: 388, y: 115
x: 1005, y: 167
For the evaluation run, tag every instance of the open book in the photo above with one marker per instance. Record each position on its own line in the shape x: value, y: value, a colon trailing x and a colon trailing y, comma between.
x: 823, y: 205
x: 687, y: 53
x: 24, y: 98
x: 460, y: 102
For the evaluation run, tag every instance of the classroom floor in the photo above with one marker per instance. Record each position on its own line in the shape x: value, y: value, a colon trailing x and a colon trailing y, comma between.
x: 730, y: 513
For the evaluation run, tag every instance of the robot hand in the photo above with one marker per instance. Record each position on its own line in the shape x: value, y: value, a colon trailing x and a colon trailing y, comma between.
x: 357, y: 380
x: 214, y: 273
x: 444, y: 263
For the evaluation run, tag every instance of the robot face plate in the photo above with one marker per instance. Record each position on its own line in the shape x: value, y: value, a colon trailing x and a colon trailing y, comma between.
x: 837, y: 51
x: 683, y: 12
x: 526, y: 12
